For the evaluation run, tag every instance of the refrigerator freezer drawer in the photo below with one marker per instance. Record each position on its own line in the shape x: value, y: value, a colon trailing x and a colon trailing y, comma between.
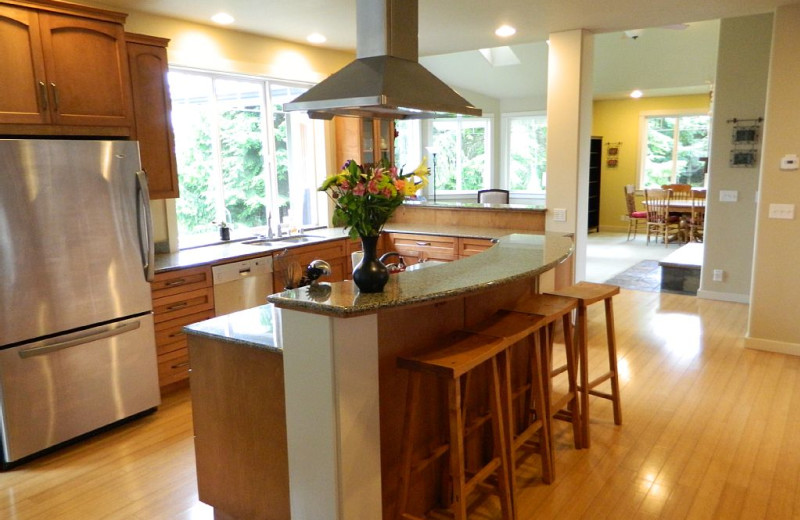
x: 52, y: 391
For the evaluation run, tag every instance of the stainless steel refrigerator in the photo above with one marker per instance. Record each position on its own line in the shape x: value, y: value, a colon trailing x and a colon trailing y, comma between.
x: 77, y: 349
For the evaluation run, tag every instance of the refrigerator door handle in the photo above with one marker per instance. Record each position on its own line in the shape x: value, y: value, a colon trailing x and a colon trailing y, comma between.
x: 80, y: 339
x: 146, y: 242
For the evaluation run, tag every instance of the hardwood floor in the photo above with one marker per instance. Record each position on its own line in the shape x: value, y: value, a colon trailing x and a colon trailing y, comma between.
x: 710, y: 431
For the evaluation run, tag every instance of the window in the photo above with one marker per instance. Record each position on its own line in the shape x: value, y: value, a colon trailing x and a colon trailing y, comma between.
x: 463, y: 159
x: 407, y: 152
x: 675, y: 149
x: 241, y: 159
x: 525, y: 146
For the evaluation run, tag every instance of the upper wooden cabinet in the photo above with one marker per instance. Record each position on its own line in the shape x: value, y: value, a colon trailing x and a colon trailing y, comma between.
x: 64, y: 70
x: 147, y: 57
x: 363, y: 139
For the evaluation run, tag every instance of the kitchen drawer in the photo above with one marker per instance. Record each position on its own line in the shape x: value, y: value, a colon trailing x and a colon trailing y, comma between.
x: 171, y: 332
x: 173, y: 367
x: 183, y: 304
x: 174, y: 282
x: 473, y: 246
x: 414, y: 248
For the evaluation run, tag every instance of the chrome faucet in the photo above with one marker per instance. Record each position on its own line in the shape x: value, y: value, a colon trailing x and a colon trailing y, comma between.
x: 269, y: 226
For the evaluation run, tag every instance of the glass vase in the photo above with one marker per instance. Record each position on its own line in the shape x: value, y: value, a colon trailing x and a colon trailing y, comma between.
x: 370, y: 275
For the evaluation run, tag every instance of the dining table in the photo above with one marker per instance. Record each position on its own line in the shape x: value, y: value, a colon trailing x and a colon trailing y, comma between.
x: 682, y: 208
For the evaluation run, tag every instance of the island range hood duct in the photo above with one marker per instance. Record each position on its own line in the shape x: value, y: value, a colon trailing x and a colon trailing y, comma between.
x: 385, y: 81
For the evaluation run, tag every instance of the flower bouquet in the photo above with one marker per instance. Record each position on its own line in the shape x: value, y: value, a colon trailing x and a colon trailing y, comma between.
x: 364, y: 198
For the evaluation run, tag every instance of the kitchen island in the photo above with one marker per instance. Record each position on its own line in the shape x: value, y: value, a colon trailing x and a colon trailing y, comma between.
x: 343, y: 393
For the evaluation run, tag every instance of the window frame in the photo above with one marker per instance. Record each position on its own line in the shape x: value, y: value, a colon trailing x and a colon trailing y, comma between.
x: 488, y: 119
x: 268, y: 135
x: 643, y: 127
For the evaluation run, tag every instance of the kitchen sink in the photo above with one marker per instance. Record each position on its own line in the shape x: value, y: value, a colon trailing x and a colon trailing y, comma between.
x: 277, y: 241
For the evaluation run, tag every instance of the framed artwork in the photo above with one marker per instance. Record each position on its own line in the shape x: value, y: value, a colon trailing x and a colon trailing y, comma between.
x: 745, y: 134
x: 743, y: 158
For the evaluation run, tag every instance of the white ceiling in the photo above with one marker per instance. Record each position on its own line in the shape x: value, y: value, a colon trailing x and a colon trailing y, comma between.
x: 669, y: 61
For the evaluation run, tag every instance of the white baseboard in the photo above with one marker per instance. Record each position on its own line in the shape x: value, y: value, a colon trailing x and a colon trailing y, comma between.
x: 723, y: 297
x: 768, y: 345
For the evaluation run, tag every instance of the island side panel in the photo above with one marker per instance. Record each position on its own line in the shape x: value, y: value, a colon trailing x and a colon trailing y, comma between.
x: 240, y: 429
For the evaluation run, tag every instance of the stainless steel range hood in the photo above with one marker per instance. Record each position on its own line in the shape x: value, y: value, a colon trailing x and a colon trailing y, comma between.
x: 385, y: 81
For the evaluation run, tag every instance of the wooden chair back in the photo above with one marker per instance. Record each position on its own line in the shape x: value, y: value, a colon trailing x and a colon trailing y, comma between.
x: 698, y: 216
x: 657, y: 202
x: 679, y: 191
x: 630, y: 200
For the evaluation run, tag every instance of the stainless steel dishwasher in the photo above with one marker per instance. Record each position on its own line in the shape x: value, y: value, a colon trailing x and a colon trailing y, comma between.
x: 242, y: 285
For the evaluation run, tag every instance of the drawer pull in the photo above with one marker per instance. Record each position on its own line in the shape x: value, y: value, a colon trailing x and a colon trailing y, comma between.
x: 179, y: 305
x: 175, y: 283
x: 180, y: 365
x: 176, y: 334
x: 423, y: 243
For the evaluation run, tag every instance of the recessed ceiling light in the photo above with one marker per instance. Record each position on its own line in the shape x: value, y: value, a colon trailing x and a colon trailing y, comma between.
x: 316, y: 38
x: 636, y: 94
x: 504, y: 31
x: 222, y: 19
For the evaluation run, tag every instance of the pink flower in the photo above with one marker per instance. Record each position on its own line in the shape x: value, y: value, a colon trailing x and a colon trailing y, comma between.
x: 359, y: 189
x: 393, y: 173
x: 372, y: 187
x: 345, y: 184
x: 387, y: 192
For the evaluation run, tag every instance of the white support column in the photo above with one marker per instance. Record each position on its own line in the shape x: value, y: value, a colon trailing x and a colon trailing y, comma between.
x: 569, y: 130
x: 332, y: 415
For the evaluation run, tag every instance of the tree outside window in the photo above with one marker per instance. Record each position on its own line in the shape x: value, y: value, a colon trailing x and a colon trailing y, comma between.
x: 526, y: 159
x: 675, y: 151
x: 462, y: 159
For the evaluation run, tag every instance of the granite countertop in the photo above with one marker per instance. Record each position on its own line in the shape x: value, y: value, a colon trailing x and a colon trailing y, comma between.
x: 474, y: 205
x: 516, y: 256
x: 250, y: 328
x: 234, y: 250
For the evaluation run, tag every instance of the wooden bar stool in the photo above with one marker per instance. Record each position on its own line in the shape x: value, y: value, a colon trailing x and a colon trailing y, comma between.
x: 459, y: 353
x: 522, y: 328
x: 551, y: 309
x: 588, y: 293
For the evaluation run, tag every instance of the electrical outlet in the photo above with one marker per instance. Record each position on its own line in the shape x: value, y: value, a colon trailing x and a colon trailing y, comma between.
x: 781, y: 211
x: 559, y: 214
x: 718, y: 274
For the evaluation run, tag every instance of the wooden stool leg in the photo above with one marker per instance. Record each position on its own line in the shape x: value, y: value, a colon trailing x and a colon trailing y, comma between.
x: 575, y: 409
x: 457, y: 474
x: 409, y: 432
x: 501, y: 447
x: 540, y: 373
x: 507, y: 398
x: 582, y: 339
x: 612, y: 361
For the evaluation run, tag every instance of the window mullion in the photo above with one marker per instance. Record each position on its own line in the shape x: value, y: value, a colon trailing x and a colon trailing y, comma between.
x: 220, y: 209
x: 676, y: 132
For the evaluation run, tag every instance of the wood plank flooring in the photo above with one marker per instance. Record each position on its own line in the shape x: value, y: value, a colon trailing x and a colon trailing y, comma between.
x: 710, y: 431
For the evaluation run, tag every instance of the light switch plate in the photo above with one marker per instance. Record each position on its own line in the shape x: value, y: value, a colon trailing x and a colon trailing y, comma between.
x: 728, y: 195
x: 781, y: 211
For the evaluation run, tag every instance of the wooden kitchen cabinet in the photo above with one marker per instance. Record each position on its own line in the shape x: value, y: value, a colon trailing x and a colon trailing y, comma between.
x: 364, y: 139
x: 147, y: 60
x: 473, y: 246
x: 414, y: 248
x: 180, y: 298
x: 64, y: 70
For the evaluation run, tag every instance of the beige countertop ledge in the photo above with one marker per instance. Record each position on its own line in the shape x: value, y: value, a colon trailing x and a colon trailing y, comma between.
x: 516, y: 256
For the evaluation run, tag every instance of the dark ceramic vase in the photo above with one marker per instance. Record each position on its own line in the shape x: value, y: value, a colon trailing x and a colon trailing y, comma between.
x: 370, y: 275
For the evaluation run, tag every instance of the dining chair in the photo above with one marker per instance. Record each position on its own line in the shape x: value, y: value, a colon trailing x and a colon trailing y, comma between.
x: 659, y: 221
x: 634, y: 217
x: 679, y: 191
x: 698, y: 215
x: 493, y: 196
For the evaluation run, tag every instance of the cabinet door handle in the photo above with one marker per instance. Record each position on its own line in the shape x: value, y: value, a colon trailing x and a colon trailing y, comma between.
x: 177, y: 306
x: 175, y: 283
x: 55, y: 96
x: 423, y: 243
x: 43, y: 95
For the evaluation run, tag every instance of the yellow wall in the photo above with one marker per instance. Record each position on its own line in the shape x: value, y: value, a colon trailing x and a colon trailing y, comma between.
x: 617, y: 121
